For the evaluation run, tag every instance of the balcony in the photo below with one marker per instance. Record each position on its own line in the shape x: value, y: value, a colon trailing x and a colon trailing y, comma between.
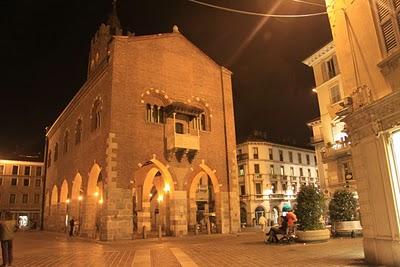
x: 316, y: 139
x: 293, y: 178
x: 258, y: 177
x: 243, y: 156
x: 338, y: 150
x: 284, y: 178
x: 176, y: 141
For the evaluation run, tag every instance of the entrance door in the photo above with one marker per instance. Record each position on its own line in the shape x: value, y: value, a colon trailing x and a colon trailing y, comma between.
x: 258, y: 213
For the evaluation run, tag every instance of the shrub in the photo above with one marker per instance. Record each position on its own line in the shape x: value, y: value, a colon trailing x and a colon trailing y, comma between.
x: 309, y: 209
x: 343, y: 206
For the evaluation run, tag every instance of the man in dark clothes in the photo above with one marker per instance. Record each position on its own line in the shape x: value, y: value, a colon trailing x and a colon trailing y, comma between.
x: 7, y: 229
x: 71, y: 227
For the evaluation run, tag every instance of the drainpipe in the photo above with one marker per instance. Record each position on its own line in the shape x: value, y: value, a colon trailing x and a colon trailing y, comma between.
x: 46, y: 147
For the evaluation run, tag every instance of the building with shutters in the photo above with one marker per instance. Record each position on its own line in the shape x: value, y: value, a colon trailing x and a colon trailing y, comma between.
x: 147, y: 143
x: 270, y: 175
x: 21, y: 190
x: 367, y: 43
x: 331, y: 142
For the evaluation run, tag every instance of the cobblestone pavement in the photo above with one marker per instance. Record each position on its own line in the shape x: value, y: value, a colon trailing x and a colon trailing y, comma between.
x: 244, y: 249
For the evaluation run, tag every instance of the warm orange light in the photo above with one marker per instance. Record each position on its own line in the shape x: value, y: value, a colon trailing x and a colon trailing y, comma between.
x: 314, y: 90
x: 68, y: 201
x: 96, y: 194
x: 101, y: 201
x: 80, y: 198
x: 167, y: 188
x: 160, y: 198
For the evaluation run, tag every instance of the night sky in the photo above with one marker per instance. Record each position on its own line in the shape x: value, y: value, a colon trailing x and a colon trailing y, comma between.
x: 45, y: 45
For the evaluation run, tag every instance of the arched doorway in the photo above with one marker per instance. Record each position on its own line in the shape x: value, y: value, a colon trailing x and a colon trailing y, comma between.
x: 76, y: 201
x: 204, y: 207
x: 153, y: 188
x: 93, y: 203
x: 63, y: 209
x: 258, y: 212
x: 53, y: 208
x: 243, y: 214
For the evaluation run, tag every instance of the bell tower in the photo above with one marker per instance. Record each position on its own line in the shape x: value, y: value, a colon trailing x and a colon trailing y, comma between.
x: 99, y: 48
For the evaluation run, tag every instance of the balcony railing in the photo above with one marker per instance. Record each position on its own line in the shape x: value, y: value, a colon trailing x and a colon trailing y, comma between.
x: 243, y: 156
x: 335, y: 151
x: 258, y: 176
x: 188, y: 141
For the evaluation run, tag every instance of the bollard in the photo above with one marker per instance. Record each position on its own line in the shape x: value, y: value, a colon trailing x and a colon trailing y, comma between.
x: 144, y: 232
x: 196, y: 229
x: 208, y: 227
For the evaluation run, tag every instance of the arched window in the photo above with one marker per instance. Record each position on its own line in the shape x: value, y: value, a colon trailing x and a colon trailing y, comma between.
x: 49, y: 159
x: 179, y: 128
x: 203, y: 122
x: 155, y: 113
x: 96, y: 115
x: 78, y: 132
x: 66, y: 140
x: 56, y: 152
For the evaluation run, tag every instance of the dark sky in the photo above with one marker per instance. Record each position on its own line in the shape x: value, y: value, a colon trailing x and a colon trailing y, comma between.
x: 44, y: 48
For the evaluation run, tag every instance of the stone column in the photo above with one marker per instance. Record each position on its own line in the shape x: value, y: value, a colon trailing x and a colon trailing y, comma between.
x: 89, y: 216
x: 62, y: 211
x: 143, y: 217
x: 192, y: 214
x: 178, y: 213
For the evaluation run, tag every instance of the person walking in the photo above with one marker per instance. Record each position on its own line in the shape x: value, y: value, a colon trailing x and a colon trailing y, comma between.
x: 71, y: 227
x: 7, y: 229
x: 262, y: 221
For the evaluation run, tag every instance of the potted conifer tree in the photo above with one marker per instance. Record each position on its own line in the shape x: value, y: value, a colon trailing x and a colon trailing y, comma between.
x: 343, y: 213
x: 309, y: 209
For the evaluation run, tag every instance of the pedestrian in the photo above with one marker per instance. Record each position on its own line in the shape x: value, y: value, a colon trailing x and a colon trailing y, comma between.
x: 262, y: 222
x: 7, y: 229
x: 71, y: 227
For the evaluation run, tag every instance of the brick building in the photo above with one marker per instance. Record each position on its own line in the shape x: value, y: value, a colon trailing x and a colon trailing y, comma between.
x: 151, y: 128
x: 21, y: 190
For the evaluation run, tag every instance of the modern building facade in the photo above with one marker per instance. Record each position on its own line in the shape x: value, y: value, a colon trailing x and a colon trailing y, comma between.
x: 367, y: 41
x: 148, y: 142
x: 271, y: 175
x: 21, y: 191
x: 332, y: 145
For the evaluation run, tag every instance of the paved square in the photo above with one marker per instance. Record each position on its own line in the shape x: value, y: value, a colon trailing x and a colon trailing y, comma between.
x: 244, y: 249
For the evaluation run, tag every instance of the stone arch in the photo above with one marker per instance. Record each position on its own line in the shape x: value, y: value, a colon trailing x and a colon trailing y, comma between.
x: 53, y: 202
x: 202, y: 170
x: 92, y: 200
x: 75, y: 210
x: 155, y: 96
x: 204, y: 118
x: 153, y: 174
x: 64, y: 192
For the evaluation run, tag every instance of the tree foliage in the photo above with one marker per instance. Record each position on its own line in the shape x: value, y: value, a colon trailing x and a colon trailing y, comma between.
x: 343, y: 206
x: 309, y: 209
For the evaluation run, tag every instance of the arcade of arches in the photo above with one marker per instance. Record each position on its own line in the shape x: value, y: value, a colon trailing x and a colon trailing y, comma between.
x: 162, y: 198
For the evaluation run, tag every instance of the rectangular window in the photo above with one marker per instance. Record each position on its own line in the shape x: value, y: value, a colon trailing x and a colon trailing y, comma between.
x: 1, y: 169
x: 301, y: 171
x: 38, y: 182
x: 258, y: 189
x: 291, y: 171
x: 273, y: 187
x: 25, y: 198
x: 38, y: 171
x: 27, y: 170
x: 241, y: 170
x: 280, y: 155
x: 26, y: 182
x: 257, y: 168
x: 271, y: 169
x: 12, y: 198
x: 388, y: 13
x: 255, y: 152
x: 309, y: 172
x: 308, y: 159
x: 242, y: 190
x: 334, y: 93
x: 14, y: 181
x: 282, y: 168
x: 155, y: 113
x: 1, y: 181
x: 36, y: 198
x: 271, y: 156
x: 315, y: 160
x: 316, y: 172
x: 239, y: 152
x: 284, y: 186
x: 291, y: 156
x: 15, y: 170
x: 299, y: 158
x: 331, y: 68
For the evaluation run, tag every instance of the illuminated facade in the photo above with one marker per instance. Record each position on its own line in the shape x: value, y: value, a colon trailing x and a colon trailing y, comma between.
x: 21, y: 191
x: 147, y: 142
x: 270, y: 175
x: 367, y: 42
x: 330, y: 140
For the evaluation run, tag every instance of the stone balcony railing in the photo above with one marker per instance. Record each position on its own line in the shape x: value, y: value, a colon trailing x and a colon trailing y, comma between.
x: 335, y: 151
x: 316, y: 139
x: 188, y: 141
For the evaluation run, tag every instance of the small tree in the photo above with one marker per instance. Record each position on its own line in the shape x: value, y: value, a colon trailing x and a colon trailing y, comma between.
x: 343, y: 206
x: 310, y: 205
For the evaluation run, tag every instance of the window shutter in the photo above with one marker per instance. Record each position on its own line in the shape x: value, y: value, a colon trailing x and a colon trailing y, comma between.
x: 384, y: 9
x: 335, y: 63
x: 396, y: 3
x: 324, y: 71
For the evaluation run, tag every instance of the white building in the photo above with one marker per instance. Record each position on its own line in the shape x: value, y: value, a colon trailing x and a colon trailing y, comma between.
x: 271, y: 175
